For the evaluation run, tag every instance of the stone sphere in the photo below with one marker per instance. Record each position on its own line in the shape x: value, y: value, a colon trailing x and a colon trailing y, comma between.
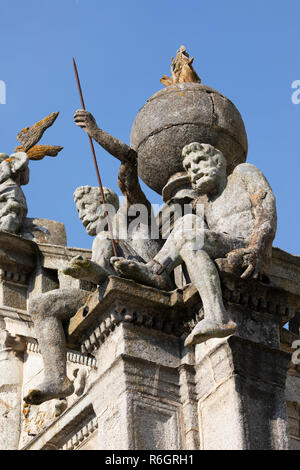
x: 179, y: 115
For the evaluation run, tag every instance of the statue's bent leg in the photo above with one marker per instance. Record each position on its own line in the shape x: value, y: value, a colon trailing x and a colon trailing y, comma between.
x: 155, y: 273
x: 102, y: 251
x: 198, y: 250
x: 205, y: 277
x: 47, y: 312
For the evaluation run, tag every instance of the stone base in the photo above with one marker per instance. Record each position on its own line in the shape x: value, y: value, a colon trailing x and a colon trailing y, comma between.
x: 136, y: 387
x: 241, y: 395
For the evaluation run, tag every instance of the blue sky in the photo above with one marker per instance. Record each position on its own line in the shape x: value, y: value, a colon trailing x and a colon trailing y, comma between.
x: 247, y: 50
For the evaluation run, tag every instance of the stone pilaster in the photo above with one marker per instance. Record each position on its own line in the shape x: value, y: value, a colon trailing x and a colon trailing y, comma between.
x: 190, y: 429
x: 11, y: 380
x: 241, y: 395
x: 240, y: 381
x: 133, y: 331
x: 150, y: 393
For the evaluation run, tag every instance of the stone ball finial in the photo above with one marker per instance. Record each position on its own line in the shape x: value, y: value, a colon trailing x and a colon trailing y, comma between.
x: 177, y: 116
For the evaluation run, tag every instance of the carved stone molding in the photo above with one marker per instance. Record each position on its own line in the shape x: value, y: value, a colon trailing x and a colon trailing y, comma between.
x: 129, y: 302
x: 251, y: 294
x: 82, y: 435
x: 172, y: 312
x: 72, y: 356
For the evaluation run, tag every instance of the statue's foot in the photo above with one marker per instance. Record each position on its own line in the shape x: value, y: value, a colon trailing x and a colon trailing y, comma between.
x: 85, y: 269
x: 48, y: 391
x: 139, y: 272
x: 78, y: 267
x: 207, y: 329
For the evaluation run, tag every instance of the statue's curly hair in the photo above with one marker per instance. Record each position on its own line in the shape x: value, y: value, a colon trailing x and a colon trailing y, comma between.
x: 206, y: 148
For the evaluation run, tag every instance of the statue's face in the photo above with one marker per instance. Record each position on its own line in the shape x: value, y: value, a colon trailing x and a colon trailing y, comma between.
x: 89, y: 207
x: 205, y: 166
x: 88, y: 211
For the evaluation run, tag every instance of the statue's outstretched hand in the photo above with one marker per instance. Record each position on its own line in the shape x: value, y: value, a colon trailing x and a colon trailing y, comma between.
x: 86, y: 121
x: 247, y: 259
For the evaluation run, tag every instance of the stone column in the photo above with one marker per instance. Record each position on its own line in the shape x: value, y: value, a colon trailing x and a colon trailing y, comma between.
x: 241, y: 395
x: 11, y: 380
x: 150, y: 393
x: 240, y: 381
x: 132, y: 331
x: 188, y: 393
x: 136, y: 397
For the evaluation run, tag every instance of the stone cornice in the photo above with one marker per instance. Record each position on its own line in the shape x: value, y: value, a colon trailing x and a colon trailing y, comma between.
x: 17, y: 254
x: 126, y: 301
x: 145, y: 306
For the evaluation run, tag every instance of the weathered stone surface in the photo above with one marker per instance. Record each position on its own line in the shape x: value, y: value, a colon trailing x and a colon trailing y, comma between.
x: 17, y: 255
x: 30, y: 136
x: 234, y: 218
x: 123, y: 335
x: 167, y: 308
x: 90, y: 207
x: 47, y: 311
x: 175, y: 117
x: 135, y: 385
x: 38, y: 152
x: 240, y: 388
x: 75, y: 428
x: 14, y: 172
x: 182, y: 70
x: 11, y: 377
x: 44, y: 231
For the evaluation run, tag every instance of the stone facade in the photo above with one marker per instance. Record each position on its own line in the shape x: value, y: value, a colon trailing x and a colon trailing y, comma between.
x: 136, y: 386
x: 107, y: 349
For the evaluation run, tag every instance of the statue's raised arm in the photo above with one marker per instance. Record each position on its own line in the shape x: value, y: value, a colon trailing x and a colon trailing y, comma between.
x: 128, y: 180
x: 115, y: 147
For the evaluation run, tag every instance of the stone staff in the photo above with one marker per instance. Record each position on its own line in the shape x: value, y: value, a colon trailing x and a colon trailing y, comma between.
x: 96, y: 164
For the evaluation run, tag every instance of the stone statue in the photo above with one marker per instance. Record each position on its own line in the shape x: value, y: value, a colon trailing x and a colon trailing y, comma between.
x: 182, y: 70
x: 239, y: 209
x: 14, y: 173
x: 49, y: 310
x: 240, y: 224
x: 137, y: 245
x: 239, y: 204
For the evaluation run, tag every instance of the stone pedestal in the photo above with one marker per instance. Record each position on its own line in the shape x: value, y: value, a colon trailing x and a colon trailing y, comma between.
x: 241, y: 395
x: 150, y: 393
x: 240, y: 381
x: 11, y: 381
x: 136, y: 397
x: 133, y: 331
x: 136, y: 386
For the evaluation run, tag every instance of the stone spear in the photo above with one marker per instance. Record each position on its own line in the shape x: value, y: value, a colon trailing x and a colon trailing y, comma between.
x: 96, y: 164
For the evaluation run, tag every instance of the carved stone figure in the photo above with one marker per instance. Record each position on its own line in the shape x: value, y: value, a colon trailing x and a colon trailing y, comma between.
x: 133, y: 385
x: 182, y: 70
x: 14, y: 172
x: 49, y: 310
x: 239, y: 207
x: 136, y: 244
x: 240, y: 224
